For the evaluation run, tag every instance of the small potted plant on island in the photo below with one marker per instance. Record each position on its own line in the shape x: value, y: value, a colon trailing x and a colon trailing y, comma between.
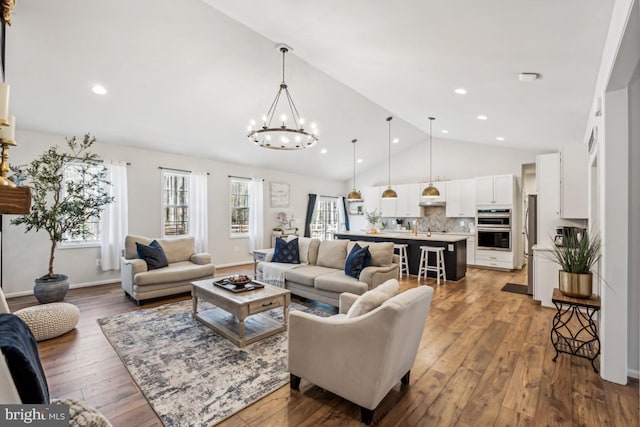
x: 63, y: 208
x: 577, y: 256
x: 373, y: 218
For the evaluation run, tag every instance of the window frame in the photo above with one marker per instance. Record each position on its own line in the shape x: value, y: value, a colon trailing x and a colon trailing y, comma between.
x: 69, y: 243
x: 163, y: 206
x: 241, y: 234
x: 325, y: 231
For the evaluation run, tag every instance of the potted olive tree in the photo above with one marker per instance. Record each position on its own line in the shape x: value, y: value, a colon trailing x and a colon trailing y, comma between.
x: 577, y: 256
x: 62, y: 207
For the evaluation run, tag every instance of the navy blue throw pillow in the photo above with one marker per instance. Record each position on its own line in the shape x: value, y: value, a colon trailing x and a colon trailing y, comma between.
x: 153, y: 255
x: 357, y: 260
x: 286, y: 252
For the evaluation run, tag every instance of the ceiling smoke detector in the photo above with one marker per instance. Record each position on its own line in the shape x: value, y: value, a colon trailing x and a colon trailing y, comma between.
x: 528, y: 77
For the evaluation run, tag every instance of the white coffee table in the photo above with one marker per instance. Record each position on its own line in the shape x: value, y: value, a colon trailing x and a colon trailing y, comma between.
x: 239, y: 317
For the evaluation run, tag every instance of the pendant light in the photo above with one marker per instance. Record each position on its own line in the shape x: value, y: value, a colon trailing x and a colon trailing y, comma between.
x: 430, y: 191
x: 354, y: 195
x: 389, y: 193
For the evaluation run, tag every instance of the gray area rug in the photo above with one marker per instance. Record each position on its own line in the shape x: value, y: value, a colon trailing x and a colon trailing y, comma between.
x: 190, y: 375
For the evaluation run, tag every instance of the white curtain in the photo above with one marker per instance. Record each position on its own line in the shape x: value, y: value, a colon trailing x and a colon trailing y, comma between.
x: 115, y: 218
x: 198, y: 210
x: 341, y: 214
x: 256, y: 215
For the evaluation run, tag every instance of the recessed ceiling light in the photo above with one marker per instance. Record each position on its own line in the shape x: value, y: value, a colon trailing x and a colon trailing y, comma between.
x: 500, y: 138
x: 359, y: 160
x: 461, y: 91
x: 444, y: 131
x: 483, y: 117
x: 323, y: 151
x: 528, y: 77
x: 99, y: 89
x: 396, y: 140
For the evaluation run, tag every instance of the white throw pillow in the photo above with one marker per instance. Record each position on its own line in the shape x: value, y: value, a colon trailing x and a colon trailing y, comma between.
x: 390, y: 287
x: 367, y: 302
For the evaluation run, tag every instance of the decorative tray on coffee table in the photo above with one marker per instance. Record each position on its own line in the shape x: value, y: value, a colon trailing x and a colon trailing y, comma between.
x: 237, y: 285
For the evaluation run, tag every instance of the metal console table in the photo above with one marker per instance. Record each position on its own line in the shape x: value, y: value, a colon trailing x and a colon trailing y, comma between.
x: 574, y: 331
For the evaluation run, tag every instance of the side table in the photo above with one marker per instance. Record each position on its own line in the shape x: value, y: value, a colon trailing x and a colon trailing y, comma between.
x: 574, y: 331
x: 259, y: 255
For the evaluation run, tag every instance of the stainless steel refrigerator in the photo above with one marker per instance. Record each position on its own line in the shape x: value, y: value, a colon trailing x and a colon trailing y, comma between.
x: 531, y: 230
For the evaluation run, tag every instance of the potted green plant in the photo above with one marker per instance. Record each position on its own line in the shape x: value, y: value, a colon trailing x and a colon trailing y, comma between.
x: 62, y: 208
x: 576, y: 257
x: 373, y: 218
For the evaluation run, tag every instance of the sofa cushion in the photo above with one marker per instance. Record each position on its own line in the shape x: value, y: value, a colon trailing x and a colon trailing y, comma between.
x: 153, y: 255
x: 390, y: 287
x: 332, y: 253
x: 357, y: 259
x: 307, y: 274
x: 286, y: 251
x: 130, y: 250
x: 340, y: 282
x: 381, y: 252
x: 304, y: 246
x: 175, y: 272
x: 367, y: 302
x: 179, y: 249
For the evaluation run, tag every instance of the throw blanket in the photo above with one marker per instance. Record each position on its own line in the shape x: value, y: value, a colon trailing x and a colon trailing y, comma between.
x: 20, y: 349
x: 273, y: 272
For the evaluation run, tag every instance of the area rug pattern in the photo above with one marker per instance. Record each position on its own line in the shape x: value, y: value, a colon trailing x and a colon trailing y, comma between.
x: 190, y: 375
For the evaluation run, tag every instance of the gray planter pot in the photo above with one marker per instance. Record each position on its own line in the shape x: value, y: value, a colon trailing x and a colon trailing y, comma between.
x: 51, y: 289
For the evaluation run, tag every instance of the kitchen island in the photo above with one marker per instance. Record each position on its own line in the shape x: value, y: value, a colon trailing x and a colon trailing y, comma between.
x: 455, y: 249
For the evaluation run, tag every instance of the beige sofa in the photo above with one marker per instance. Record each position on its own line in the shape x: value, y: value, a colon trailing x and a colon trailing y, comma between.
x: 321, y: 276
x: 185, y: 266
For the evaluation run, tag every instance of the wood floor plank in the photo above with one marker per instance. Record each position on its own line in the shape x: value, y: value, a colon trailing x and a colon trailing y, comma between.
x: 484, y: 359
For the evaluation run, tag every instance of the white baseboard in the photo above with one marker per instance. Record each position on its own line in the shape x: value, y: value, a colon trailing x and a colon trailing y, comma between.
x: 633, y: 373
x: 74, y: 286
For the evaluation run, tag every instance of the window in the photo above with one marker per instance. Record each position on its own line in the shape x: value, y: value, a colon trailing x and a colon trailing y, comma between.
x: 175, y: 203
x: 239, y: 204
x: 73, y: 173
x: 325, y: 218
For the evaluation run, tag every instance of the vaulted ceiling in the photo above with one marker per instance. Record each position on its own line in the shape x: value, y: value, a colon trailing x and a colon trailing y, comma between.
x: 187, y: 76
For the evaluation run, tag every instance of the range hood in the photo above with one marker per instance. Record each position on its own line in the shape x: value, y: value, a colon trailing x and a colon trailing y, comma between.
x: 425, y: 203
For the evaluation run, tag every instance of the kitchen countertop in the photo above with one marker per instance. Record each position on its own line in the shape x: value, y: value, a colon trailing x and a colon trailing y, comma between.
x: 443, y: 237
x: 434, y: 233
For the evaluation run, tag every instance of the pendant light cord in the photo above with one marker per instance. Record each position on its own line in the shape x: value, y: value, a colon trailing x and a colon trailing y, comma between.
x: 354, y: 163
x: 431, y: 119
x: 389, y: 169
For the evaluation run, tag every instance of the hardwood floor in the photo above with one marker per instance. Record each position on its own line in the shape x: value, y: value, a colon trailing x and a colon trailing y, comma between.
x: 485, y: 359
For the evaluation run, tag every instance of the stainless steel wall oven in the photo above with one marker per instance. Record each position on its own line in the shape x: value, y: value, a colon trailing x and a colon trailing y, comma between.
x: 494, y: 229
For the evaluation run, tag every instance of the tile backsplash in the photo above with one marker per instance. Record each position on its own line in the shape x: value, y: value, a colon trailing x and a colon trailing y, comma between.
x: 435, y: 220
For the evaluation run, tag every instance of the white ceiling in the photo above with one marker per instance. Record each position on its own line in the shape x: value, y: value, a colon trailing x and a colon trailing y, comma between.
x: 188, y: 79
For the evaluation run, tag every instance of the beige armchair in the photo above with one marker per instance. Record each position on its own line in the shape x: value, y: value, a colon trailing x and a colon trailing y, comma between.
x: 362, y: 358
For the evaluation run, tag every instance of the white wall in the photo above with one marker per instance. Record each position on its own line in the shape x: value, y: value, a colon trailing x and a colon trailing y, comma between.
x: 26, y: 255
x: 619, y: 60
x: 634, y: 224
x: 451, y: 160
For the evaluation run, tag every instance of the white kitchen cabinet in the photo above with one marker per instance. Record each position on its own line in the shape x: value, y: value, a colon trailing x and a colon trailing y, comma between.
x: 461, y: 198
x: 471, y: 250
x: 371, y: 199
x: 387, y: 206
x: 548, y: 189
x: 495, y: 190
x: 545, y: 275
x: 574, y: 191
x: 442, y: 188
x: 407, y: 204
x: 495, y: 259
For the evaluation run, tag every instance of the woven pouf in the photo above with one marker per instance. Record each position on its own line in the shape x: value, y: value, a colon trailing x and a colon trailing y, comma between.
x: 82, y: 414
x: 48, y: 321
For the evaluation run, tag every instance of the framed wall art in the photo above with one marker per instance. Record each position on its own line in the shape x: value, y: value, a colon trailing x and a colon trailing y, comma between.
x: 279, y: 195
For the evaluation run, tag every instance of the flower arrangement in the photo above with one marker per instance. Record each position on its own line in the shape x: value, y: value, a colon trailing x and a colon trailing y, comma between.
x: 373, y: 218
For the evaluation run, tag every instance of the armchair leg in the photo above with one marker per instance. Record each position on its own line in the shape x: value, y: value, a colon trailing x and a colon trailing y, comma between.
x: 366, y: 415
x: 405, y: 379
x: 294, y: 382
